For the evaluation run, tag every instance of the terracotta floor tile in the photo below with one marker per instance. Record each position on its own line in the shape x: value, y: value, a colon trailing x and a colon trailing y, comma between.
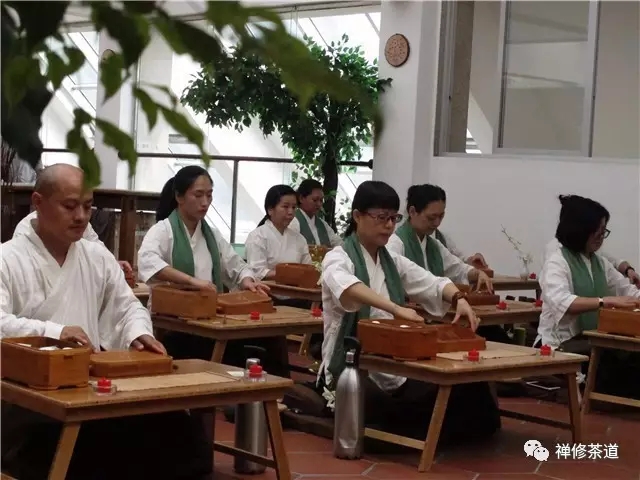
x: 585, y: 470
x: 298, y: 442
x: 510, y: 476
x: 496, y: 463
x: 325, y: 464
x: 394, y: 471
x: 225, y: 472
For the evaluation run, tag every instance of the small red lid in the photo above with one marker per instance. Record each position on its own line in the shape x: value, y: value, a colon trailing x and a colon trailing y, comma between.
x: 104, y: 382
x: 545, y: 350
x: 473, y: 355
x: 533, y: 276
x: 538, y: 303
x: 254, y: 315
x: 255, y: 370
x: 502, y: 305
x: 316, y: 312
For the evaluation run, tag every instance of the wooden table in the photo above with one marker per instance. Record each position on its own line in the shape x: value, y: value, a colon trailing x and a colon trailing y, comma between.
x: 76, y: 405
x: 447, y: 373
x: 223, y: 329
x: 314, y: 295
x: 598, y: 342
x: 516, y: 312
x: 507, y: 282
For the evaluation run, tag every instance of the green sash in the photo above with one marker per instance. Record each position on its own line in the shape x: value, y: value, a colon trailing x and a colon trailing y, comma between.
x: 349, y: 324
x: 440, y: 238
x: 584, y: 285
x: 323, y: 235
x: 182, y: 255
x: 413, y: 250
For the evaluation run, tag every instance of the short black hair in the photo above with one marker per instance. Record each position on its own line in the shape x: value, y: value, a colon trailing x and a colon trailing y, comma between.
x: 372, y: 194
x: 420, y: 196
x: 307, y: 187
x: 580, y: 218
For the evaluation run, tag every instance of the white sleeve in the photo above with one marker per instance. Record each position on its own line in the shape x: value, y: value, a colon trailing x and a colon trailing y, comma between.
x: 453, y: 248
x: 613, y: 260
x: 257, y: 254
x: 122, y: 317
x: 14, y: 326
x: 155, y: 251
x: 422, y: 286
x: 234, y: 268
x: 555, y: 283
x: 395, y: 245
x: 295, y: 225
x: 91, y: 235
x: 338, y: 274
x: 618, y: 283
x: 454, y: 267
x: 334, y: 238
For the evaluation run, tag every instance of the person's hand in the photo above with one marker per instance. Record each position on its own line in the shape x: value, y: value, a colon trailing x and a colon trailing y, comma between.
x: 463, y: 309
x: 621, y: 302
x: 477, y: 260
x: 633, y: 277
x: 147, y: 342
x: 253, y: 285
x: 203, y: 284
x: 408, y: 314
x: 76, y: 334
x: 484, y: 282
x: 126, y: 267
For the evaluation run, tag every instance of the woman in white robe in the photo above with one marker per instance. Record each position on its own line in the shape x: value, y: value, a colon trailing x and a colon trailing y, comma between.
x: 576, y: 282
x: 182, y: 248
x: 307, y: 220
x: 363, y: 279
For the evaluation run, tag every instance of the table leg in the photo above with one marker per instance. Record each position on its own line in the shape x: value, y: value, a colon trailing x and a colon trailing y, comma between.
x: 218, y: 351
x: 594, y: 361
x: 283, y: 472
x: 306, y: 339
x: 574, y: 408
x: 64, y: 451
x: 433, y: 434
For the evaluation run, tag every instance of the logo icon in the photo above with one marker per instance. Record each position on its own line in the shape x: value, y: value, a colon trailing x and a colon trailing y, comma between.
x: 530, y: 447
x: 541, y: 454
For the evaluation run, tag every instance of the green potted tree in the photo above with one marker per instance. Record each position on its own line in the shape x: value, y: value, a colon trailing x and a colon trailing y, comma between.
x: 235, y: 90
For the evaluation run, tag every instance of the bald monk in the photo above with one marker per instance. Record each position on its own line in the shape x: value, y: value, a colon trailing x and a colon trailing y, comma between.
x: 54, y: 283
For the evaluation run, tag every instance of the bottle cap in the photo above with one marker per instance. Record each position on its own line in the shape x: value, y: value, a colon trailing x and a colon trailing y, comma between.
x: 254, y: 316
x: 545, y: 350
x: 255, y: 371
x: 538, y: 303
x: 473, y: 355
x: 104, y: 385
x: 316, y: 312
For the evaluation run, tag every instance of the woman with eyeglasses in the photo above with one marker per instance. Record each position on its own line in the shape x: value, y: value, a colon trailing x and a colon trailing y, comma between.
x: 577, y: 281
x: 418, y: 239
x: 363, y: 279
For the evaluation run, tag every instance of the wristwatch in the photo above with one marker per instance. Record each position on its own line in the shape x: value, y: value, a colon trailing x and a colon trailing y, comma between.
x: 456, y: 296
x: 601, y: 302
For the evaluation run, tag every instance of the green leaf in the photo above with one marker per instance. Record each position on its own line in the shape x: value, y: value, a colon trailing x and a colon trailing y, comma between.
x: 21, y: 74
x: 183, y: 127
x: 58, y: 69
x: 111, y: 74
x: 87, y: 159
x: 167, y: 90
x: 148, y: 105
x: 140, y: 7
x: 38, y: 20
x: 116, y: 138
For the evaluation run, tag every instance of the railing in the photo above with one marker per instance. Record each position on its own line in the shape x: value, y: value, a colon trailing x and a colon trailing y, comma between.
x: 236, y: 162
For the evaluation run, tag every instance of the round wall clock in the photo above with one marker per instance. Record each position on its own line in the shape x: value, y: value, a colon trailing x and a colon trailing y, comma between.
x: 396, y: 50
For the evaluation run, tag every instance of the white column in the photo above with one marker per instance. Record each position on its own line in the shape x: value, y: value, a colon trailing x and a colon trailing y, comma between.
x: 405, y: 148
x: 119, y: 111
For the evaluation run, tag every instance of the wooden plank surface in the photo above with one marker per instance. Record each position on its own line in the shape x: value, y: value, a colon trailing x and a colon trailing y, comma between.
x: 508, y: 282
x: 311, y: 294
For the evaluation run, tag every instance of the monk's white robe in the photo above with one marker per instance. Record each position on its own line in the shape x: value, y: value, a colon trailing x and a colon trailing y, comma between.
x: 334, y: 238
x: 556, y: 325
x: 156, y: 253
x: 554, y: 245
x: 451, y: 246
x: 266, y: 247
x: 38, y: 297
x: 24, y: 226
x: 338, y: 274
x: 454, y: 268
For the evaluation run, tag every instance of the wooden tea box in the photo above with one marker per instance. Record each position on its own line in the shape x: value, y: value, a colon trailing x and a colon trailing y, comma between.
x: 482, y: 298
x: 620, y: 321
x: 297, y: 275
x: 23, y: 361
x: 398, y: 339
x: 183, y: 301
x: 455, y: 338
x: 242, y: 303
x: 129, y: 363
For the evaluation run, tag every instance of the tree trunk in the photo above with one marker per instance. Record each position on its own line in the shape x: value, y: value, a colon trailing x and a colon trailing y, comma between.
x: 330, y: 187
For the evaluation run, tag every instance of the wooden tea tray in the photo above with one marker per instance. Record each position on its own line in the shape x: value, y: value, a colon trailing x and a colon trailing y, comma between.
x: 297, y: 275
x: 241, y: 303
x: 183, y: 301
x: 489, y: 354
x: 171, y: 381
x: 129, y: 363
x: 455, y: 338
x: 619, y: 321
x: 280, y: 313
x: 482, y: 298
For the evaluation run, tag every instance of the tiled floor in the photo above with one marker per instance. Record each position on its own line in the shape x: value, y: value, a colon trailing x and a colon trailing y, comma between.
x: 501, y: 458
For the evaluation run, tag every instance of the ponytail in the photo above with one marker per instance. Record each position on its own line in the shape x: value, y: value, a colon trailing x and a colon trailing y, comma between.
x: 168, y: 202
x: 351, y: 228
x: 263, y: 221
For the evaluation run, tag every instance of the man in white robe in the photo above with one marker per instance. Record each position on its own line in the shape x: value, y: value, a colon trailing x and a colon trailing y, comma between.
x: 56, y: 284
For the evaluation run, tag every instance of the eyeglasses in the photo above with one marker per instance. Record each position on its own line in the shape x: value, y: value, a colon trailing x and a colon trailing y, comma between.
x: 384, y: 218
x: 605, y: 233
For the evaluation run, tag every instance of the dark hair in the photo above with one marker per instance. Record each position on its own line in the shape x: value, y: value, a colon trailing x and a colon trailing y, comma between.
x: 273, y: 197
x: 580, y: 218
x: 420, y: 196
x: 307, y: 187
x: 372, y: 194
x: 178, y: 185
